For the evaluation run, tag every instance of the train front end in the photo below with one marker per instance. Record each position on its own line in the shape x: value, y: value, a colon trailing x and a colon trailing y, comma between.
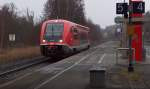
x: 52, y: 39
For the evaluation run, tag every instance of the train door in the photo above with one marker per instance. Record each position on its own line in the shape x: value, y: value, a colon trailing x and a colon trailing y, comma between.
x: 76, y: 38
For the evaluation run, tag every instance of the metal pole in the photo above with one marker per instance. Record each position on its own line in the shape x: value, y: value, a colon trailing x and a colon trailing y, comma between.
x: 124, y: 34
x: 130, y: 68
x: 121, y: 26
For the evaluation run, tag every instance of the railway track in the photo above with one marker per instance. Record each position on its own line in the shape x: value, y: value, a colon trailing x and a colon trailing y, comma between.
x: 36, y: 61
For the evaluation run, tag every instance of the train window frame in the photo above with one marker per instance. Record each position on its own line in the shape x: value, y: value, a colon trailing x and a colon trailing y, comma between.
x: 75, y: 33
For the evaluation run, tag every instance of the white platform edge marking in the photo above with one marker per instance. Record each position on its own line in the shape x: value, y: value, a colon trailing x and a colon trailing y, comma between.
x: 102, y: 58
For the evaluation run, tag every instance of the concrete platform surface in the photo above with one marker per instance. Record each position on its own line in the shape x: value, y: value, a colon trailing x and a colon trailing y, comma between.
x: 73, y: 72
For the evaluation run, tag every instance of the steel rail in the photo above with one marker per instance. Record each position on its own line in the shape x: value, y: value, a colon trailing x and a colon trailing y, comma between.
x: 43, y: 59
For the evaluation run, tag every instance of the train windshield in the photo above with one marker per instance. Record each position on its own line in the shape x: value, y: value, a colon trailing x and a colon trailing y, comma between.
x: 54, y: 32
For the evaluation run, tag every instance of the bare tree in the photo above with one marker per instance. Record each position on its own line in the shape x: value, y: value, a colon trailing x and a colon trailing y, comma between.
x: 3, y: 13
x: 22, y: 26
x: 72, y: 10
x: 95, y: 32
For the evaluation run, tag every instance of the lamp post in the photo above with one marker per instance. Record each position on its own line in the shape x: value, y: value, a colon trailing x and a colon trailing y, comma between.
x: 130, y: 67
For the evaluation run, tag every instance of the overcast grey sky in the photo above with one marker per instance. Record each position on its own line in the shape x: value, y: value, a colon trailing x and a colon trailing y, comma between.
x: 100, y: 11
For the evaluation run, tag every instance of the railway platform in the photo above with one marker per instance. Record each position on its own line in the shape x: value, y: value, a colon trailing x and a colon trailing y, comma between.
x: 73, y: 72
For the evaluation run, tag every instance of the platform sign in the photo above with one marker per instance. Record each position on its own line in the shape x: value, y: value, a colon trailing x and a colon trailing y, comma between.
x: 118, y: 20
x: 12, y: 37
x: 138, y: 7
x: 138, y: 10
x: 121, y: 8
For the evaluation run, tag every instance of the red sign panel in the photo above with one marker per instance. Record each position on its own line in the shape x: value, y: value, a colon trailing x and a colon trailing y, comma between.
x: 137, y: 40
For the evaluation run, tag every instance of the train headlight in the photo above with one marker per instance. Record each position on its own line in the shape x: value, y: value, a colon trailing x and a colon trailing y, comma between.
x: 60, y: 41
x: 44, y: 41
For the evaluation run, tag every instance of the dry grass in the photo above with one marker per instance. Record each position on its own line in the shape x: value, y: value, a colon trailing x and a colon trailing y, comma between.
x: 12, y: 55
x: 134, y: 76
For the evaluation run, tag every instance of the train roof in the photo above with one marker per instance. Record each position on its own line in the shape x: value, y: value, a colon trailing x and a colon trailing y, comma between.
x: 62, y: 20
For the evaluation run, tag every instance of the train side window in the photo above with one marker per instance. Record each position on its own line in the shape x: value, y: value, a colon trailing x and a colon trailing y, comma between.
x: 75, y: 33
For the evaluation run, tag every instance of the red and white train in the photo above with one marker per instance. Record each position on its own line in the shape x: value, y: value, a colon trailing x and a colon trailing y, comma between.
x: 61, y: 37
